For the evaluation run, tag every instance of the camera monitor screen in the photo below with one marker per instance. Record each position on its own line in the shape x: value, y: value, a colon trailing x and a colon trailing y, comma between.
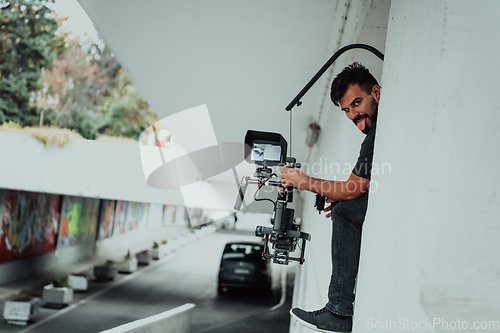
x: 265, y: 152
x: 265, y: 148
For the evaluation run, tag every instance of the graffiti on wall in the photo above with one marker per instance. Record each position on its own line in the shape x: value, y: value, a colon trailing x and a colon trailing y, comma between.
x: 90, y: 212
x: 29, y: 224
x: 107, y: 219
x: 120, y: 218
x: 78, y: 220
x: 132, y: 220
x: 30, y: 221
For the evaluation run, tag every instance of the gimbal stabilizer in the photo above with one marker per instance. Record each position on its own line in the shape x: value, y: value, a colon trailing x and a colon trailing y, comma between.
x: 285, y: 233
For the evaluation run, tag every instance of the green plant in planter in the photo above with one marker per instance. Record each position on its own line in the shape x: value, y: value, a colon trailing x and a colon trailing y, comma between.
x: 164, y: 242
x: 110, y: 262
x: 155, y: 245
x: 60, y: 281
x: 127, y: 257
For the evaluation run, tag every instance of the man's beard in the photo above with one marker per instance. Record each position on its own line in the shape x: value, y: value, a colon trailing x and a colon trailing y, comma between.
x: 372, y: 117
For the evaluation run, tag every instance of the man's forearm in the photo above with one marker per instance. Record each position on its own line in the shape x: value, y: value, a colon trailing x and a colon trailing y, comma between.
x: 326, y: 188
x: 353, y: 188
x: 333, y: 189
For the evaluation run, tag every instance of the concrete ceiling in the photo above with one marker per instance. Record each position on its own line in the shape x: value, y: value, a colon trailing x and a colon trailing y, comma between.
x: 245, y: 60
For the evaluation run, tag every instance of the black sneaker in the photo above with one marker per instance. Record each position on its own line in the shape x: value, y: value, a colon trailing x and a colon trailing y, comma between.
x: 322, y: 320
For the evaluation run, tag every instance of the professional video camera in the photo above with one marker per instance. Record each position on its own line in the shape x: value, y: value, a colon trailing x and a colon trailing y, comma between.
x: 267, y: 149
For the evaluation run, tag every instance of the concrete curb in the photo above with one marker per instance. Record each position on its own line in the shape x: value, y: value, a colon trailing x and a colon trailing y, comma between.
x: 177, y: 320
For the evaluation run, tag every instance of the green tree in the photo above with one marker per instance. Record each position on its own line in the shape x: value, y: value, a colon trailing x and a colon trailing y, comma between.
x: 124, y: 111
x: 127, y: 113
x: 76, y: 87
x: 91, y: 94
x: 26, y: 37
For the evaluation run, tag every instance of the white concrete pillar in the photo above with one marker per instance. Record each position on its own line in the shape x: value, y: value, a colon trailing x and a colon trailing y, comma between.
x: 430, y: 241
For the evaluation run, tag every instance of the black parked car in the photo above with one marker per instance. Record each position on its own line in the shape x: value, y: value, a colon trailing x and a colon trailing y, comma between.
x: 242, y: 266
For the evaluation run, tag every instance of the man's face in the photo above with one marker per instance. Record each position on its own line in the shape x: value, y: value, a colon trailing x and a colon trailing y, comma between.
x: 361, y: 107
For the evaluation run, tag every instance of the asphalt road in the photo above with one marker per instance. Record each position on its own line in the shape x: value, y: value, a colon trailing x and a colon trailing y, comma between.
x: 186, y: 276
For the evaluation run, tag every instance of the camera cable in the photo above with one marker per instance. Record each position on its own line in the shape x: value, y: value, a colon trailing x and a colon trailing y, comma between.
x: 259, y: 186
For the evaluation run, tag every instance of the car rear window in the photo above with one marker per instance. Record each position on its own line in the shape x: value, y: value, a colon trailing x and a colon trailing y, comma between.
x: 246, y: 252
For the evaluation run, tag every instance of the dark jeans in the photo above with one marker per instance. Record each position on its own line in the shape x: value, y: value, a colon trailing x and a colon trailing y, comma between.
x: 347, y: 221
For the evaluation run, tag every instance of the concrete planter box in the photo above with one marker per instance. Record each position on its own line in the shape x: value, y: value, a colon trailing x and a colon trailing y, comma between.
x: 128, y: 266
x: 143, y: 258
x: 160, y: 252
x: 21, y: 310
x: 56, y: 297
x: 78, y: 282
x: 105, y: 272
x: 155, y: 253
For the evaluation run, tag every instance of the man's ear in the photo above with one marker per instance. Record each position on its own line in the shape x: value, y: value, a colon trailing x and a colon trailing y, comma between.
x: 376, y: 92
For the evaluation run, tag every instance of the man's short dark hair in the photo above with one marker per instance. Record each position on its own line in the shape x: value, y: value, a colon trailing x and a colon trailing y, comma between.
x: 355, y: 73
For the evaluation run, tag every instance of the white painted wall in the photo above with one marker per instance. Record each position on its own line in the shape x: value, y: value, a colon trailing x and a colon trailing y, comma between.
x: 88, y: 168
x: 430, y: 242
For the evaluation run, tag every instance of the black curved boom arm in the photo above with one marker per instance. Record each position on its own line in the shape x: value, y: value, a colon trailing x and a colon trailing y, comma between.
x: 296, y: 100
